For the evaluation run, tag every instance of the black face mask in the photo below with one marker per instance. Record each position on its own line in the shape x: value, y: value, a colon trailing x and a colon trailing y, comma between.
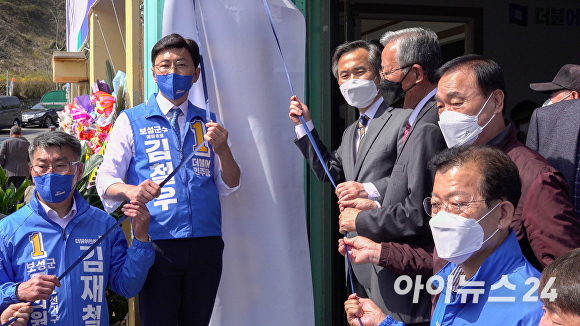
x: 393, y: 92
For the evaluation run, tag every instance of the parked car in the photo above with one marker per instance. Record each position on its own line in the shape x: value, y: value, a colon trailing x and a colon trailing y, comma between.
x: 9, y: 111
x: 40, y: 115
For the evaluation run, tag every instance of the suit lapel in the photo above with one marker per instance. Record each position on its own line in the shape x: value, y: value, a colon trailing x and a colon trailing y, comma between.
x: 428, y: 106
x: 377, y: 124
x: 349, y: 159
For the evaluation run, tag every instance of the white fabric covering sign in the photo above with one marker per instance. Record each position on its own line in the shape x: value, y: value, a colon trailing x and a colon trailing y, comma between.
x: 266, y: 278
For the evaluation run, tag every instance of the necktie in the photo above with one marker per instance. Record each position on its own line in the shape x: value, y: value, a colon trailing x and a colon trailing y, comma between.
x: 407, y: 129
x: 362, y: 127
x: 173, y: 122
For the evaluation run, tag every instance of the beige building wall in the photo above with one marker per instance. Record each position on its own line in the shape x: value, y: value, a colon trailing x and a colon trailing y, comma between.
x: 106, y: 38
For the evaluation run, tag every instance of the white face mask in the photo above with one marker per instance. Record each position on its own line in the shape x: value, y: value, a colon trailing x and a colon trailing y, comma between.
x: 359, y: 93
x: 456, y: 237
x: 547, y: 102
x: 459, y: 128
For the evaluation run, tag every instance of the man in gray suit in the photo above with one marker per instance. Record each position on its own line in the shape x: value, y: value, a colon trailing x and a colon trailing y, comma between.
x: 14, y: 157
x: 366, y: 155
x: 408, y: 64
x: 364, y: 160
x: 553, y: 133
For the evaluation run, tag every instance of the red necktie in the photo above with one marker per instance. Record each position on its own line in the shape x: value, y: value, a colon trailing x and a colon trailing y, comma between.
x: 407, y: 129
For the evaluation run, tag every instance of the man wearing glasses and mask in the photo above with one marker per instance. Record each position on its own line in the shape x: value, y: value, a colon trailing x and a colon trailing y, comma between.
x: 147, y: 142
x: 487, y: 280
x: 42, y: 239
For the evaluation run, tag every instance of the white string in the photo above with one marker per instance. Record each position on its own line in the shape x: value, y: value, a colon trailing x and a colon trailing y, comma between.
x: 105, y: 40
x: 118, y: 25
x: 208, y: 51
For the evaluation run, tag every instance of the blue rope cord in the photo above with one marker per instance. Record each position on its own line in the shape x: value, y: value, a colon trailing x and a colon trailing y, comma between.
x: 311, y: 138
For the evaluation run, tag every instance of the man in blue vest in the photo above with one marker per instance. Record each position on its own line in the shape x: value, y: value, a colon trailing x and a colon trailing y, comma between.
x: 149, y: 141
x: 41, y: 240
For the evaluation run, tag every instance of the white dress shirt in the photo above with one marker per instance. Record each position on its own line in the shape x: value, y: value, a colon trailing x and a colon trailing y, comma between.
x: 53, y: 215
x: 120, y: 150
x: 420, y: 106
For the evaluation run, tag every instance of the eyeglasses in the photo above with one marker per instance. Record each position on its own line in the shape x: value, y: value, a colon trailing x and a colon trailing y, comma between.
x: 385, y: 74
x: 181, y: 67
x: 61, y: 168
x: 433, y: 206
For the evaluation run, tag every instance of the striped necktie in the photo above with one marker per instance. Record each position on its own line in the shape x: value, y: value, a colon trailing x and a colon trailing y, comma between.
x: 173, y: 122
x: 362, y: 127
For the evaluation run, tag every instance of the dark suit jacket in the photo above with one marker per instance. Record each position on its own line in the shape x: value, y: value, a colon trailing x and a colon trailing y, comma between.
x: 376, y: 156
x: 401, y: 218
x: 14, y: 157
x: 554, y: 133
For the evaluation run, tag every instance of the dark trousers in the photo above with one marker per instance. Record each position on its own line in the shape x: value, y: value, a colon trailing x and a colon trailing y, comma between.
x: 182, y: 284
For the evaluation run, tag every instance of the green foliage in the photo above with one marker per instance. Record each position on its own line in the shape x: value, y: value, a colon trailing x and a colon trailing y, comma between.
x: 120, y: 103
x: 31, y: 87
x: 9, y: 195
x: 86, y: 185
x: 110, y: 74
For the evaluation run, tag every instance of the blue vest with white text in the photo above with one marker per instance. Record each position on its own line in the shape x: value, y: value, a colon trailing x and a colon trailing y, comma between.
x: 188, y: 206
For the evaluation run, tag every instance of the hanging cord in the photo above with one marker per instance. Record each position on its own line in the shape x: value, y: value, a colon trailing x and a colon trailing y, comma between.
x: 105, y: 41
x: 118, y: 24
x: 312, y: 141
x: 203, y: 78
x: 209, y: 56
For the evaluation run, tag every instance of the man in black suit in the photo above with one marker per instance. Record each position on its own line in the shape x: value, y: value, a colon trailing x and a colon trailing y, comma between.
x: 366, y: 155
x: 409, y: 61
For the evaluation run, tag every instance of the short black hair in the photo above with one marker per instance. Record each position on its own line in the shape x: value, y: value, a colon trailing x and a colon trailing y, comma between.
x: 176, y: 41
x: 373, y: 49
x: 487, y: 72
x: 565, y: 271
x: 499, y: 175
x: 58, y: 139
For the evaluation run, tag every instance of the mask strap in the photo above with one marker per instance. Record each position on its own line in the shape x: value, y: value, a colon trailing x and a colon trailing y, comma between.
x: 484, y: 104
x: 488, y: 121
x: 484, y: 216
x: 484, y: 241
x: 408, y: 89
x: 565, y: 97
